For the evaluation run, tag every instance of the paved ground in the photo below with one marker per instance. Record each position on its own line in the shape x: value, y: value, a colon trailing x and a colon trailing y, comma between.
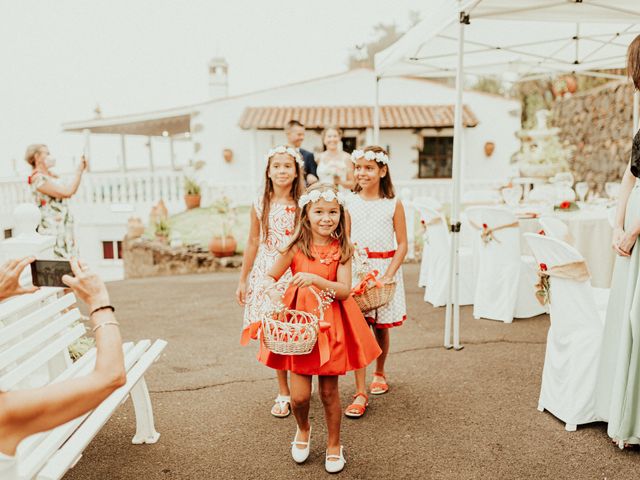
x: 450, y: 415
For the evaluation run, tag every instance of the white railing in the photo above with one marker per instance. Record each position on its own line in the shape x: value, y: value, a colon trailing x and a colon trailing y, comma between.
x: 441, y: 188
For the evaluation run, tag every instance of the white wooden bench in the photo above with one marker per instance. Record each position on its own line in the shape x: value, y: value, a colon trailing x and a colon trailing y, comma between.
x: 35, y: 333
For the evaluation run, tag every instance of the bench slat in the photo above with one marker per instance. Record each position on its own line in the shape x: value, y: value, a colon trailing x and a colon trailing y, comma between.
x: 64, y: 458
x: 15, y: 376
x: 15, y: 305
x: 35, y: 450
x: 9, y: 333
x: 34, y: 341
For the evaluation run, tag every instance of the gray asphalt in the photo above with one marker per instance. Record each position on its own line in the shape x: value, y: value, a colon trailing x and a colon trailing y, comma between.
x: 469, y: 414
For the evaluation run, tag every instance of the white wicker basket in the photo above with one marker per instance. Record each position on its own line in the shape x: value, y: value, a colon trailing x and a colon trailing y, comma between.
x: 292, y: 332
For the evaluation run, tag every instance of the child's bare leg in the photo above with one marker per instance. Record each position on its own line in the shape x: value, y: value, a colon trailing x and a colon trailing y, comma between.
x: 382, y: 336
x: 283, y: 389
x: 300, y: 400
x: 361, y: 379
x: 330, y: 396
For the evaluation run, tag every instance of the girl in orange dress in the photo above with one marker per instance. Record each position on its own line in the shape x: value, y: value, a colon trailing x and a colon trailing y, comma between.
x: 320, y: 256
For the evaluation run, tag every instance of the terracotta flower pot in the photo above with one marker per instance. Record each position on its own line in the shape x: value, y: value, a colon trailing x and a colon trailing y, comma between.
x: 489, y: 148
x: 192, y: 201
x: 223, y: 246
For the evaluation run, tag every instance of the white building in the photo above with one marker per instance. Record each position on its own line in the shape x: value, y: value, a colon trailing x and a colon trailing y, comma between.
x: 416, y: 126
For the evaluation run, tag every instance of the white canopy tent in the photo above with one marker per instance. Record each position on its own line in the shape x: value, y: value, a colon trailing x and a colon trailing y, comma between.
x: 529, y: 39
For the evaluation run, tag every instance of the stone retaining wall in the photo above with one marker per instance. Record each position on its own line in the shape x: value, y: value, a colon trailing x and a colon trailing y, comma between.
x: 599, y: 123
x: 145, y: 258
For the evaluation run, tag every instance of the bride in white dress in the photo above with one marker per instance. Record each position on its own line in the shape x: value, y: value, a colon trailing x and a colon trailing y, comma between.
x: 334, y: 164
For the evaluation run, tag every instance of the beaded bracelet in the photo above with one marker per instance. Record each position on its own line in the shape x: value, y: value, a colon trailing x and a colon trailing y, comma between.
x: 110, y: 307
x: 111, y: 322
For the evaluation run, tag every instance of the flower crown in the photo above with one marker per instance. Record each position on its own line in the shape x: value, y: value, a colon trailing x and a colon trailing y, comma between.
x: 369, y: 155
x: 284, y: 149
x: 315, y: 195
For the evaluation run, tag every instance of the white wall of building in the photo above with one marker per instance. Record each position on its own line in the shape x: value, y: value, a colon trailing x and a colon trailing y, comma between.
x: 216, y: 126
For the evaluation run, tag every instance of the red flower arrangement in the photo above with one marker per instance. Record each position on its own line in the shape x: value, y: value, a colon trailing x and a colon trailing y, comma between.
x: 541, y: 232
x: 29, y: 179
x: 542, y: 287
x: 485, y: 226
x: 543, y: 267
x: 422, y: 222
x: 43, y: 203
x: 565, y: 205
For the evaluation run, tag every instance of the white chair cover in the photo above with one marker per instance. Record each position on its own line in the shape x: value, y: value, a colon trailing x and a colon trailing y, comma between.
x: 436, y: 205
x: 554, y: 227
x: 573, y: 341
x: 542, y: 193
x: 482, y: 196
x: 504, y: 279
x: 564, y: 194
x: 437, y: 246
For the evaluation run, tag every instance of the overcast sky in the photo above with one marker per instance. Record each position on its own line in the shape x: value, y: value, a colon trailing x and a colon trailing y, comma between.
x: 60, y: 58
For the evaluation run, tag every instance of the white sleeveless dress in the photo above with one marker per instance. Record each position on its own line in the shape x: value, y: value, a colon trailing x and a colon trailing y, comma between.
x: 328, y: 168
x: 7, y: 467
x: 281, y: 225
x: 372, y: 228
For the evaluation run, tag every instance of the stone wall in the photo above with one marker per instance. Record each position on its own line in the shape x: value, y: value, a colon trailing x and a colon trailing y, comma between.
x: 599, y: 123
x: 145, y: 258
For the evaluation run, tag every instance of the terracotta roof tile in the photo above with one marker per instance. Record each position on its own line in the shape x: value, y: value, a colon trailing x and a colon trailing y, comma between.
x: 391, y: 116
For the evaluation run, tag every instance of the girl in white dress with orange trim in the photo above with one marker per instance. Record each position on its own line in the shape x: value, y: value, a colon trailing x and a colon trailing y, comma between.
x: 378, y: 226
x: 273, y: 220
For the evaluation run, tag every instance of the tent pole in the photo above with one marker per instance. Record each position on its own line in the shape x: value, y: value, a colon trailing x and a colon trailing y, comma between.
x: 376, y: 114
x: 452, y: 314
x: 636, y: 111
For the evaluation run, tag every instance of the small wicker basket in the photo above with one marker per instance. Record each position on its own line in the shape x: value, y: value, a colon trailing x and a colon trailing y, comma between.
x: 375, y: 297
x: 292, y: 332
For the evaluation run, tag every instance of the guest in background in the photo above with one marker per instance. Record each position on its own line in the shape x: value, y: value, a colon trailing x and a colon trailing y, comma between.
x: 334, y: 164
x: 618, y: 380
x: 295, y: 136
x: 51, y: 198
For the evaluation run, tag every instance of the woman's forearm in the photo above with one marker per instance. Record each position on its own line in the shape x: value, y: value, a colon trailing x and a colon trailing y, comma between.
x: 628, y: 181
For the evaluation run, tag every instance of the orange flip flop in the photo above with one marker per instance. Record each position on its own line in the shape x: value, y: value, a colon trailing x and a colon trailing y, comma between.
x: 359, y: 409
x: 378, y: 388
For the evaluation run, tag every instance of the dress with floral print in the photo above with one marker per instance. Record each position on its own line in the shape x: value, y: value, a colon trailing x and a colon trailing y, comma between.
x: 55, y: 217
x: 282, y: 220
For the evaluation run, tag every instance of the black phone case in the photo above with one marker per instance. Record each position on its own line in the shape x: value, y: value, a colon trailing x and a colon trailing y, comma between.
x: 48, y: 273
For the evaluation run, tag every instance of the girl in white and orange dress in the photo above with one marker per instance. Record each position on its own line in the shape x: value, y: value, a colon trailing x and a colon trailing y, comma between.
x: 378, y: 227
x: 273, y: 220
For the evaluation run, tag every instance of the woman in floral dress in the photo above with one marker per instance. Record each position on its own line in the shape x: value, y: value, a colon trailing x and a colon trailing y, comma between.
x: 51, y: 198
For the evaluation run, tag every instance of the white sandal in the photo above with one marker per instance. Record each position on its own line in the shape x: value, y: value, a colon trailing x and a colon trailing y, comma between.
x: 300, y: 455
x: 335, y: 463
x: 282, y: 401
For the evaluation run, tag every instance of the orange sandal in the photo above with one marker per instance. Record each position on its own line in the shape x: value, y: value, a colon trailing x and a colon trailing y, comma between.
x: 378, y: 388
x: 355, y: 410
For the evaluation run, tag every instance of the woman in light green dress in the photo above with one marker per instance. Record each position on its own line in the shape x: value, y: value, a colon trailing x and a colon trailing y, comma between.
x: 618, y: 387
x: 51, y: 197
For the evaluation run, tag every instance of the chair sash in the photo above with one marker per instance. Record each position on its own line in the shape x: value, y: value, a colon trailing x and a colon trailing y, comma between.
x: 487, y: 233
x: 577, y: 271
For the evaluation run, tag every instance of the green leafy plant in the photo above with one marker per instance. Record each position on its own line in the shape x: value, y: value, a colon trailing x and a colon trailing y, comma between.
x: 223, y: 208
x: 162, y: 228
x: 191, y: 187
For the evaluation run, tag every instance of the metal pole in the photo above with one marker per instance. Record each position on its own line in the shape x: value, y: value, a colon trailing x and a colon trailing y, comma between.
x: 453, y: 305
x: 172, y: 154
x: 376, y: 114
x: 151, y: 168
x: 123, y: 153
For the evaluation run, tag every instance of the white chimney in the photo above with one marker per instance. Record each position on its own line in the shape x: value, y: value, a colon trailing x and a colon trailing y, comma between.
x: 218, y: 78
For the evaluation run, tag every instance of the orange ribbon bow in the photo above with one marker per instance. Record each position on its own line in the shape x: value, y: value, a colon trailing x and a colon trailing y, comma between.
x: 360, y: 288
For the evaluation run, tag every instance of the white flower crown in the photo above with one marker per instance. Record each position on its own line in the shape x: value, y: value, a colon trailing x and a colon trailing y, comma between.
x: 369, y: 155
x: 283, y: 149
x: 315, y: 195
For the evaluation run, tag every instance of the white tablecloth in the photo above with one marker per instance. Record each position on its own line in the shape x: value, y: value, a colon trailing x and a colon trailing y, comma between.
x: 592, y: 236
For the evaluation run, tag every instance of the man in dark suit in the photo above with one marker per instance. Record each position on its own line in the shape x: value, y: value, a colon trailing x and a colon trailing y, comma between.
x: 295, y: 136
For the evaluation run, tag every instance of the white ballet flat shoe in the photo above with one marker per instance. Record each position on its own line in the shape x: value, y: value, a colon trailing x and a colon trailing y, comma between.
x: 300, y: 455
x: 335, y: 463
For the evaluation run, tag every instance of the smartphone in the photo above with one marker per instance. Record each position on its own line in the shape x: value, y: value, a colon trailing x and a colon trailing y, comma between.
x: 48, y: 273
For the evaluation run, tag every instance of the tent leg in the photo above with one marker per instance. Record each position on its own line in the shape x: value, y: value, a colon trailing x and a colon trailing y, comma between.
x: 452, y: 314
x: 376, y: 114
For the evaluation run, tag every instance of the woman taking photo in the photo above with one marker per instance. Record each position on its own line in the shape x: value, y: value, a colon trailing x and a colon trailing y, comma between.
x: 51, y: 197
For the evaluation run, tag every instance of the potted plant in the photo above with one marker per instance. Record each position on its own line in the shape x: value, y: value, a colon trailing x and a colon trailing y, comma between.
x: 223, y: 243
x: 192, y: 193
x: 162, y: 231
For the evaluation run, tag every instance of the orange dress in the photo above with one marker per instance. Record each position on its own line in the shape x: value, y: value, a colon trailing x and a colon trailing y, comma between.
x: 351, y: 343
